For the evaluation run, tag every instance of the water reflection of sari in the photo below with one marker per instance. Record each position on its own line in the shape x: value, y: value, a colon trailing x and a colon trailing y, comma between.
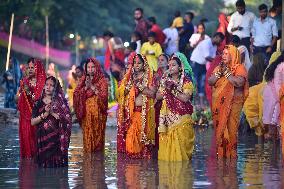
x: 11, y: 81
x: 91, y: 109
x: 30, y: 176
x: 175, y: 175
x: 226, y: 107
x: 28, y: 94
x: 138, y: 123
x: 53, y: 136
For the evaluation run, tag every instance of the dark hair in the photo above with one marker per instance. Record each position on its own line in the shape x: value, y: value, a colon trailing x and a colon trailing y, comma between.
x: 177, y: 13
x: 133, y: 46
x: 165, y: 55
x: 273, y: 9
x: 201, y: 24
x: 235, y: 39
x: 152, y: 19
x: 262, y: 7
x: 190, y: 14
x: 88, y: 60
x: 152, y: 34
x: 240, y: 3
x: 56, y: 85
x: 108, y: 34
x: 140, y: 58
x: 203, y: 20
x: 270, y: 70
x: 219, y: 34
x: 31, y: 60
x: 139, y: 9
x: 137, y: 34
x: 80, y: 68
x: 176, y: 59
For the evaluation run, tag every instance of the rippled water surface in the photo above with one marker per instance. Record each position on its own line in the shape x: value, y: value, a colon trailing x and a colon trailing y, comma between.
x: 258, y: 166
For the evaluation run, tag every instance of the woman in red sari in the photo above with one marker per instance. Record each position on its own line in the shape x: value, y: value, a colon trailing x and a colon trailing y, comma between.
x: 52, y: 117
x: 90, y: 105
x: 31, y: 87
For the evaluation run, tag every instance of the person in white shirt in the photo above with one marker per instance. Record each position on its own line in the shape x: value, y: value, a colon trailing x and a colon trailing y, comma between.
x: 245, y: 60
x: 264, y: 33
x: 204, y: 52
x: 171, y: 41
x: 241, y: 23
x: 137, y: 37
x: 196, y: 38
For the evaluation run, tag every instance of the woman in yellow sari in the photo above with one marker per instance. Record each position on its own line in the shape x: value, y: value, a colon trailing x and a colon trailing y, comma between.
x: 176, y: 134
x: 230, y: 89
x: 90, y: 106
x: 136, y: 113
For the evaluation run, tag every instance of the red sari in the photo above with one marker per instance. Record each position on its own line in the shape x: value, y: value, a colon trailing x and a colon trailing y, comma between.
x: 91, y: 110
x: 28, y: 95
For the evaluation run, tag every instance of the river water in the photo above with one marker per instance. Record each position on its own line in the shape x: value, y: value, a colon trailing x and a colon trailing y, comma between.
x: 257, y: 166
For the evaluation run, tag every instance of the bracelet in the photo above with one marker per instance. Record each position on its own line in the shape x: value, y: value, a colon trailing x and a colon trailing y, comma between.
x: 218, y: 75
x: 140, y: 87
x: 228, y: 75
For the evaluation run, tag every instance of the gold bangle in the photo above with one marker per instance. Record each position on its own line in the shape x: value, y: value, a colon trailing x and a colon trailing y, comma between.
x: 218, y: 75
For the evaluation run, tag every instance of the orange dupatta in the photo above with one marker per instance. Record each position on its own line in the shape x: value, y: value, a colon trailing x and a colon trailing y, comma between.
x: 223, y: 95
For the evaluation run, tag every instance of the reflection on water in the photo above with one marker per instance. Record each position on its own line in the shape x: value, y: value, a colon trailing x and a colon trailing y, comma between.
x: 257, y: 166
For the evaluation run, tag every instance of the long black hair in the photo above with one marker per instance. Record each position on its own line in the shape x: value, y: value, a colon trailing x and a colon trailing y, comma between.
x: 269, y: 73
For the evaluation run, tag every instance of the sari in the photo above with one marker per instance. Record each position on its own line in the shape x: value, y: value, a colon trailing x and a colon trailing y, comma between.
x: 53, y: 136
x: 226, y: 107
x: 223, y: 25
x: 176, y: 134
x: 91, y: 109
x: 137, y: 123
x: 28, y: 94
x: 11, y: 81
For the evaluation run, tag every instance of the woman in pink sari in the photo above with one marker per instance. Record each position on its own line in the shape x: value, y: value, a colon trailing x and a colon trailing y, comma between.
x: 31, y: 87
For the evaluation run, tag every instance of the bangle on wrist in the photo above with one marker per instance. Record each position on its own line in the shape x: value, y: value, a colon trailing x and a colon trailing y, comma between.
x: 217, y: 75
x: 228, y: 75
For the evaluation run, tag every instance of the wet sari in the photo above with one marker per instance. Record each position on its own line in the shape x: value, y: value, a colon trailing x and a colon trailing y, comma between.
x: 53, y: 136
x: 176, y: 134
x: 91, y: 110
x: 226, y: 107
x: 28, y: 94
x: 138, y: 123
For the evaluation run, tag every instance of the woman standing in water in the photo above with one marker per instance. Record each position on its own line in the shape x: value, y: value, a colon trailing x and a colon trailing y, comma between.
x: 53, y: 121
x: 230, y: 89
x: 31, y: 87
x: 176, y: 134
x: 90, y: 106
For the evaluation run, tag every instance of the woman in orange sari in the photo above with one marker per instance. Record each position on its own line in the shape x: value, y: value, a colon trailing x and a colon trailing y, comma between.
x: 230, y: 89
x: 90, y: 106
x: 136, y: 109
x: 30, y: 90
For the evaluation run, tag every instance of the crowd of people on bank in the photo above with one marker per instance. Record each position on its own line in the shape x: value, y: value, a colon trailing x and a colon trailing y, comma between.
x: 159, y: 81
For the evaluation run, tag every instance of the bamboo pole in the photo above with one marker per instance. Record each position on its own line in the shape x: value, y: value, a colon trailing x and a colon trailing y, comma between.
x: 10, y: 41
x: 77, y: 48
x: 47, y: 43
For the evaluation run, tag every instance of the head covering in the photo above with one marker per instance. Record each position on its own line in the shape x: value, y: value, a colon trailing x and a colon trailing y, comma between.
x: 235, y: 58
x: 186, y: 69
x: 274, y: 56
x: 80, y: 96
